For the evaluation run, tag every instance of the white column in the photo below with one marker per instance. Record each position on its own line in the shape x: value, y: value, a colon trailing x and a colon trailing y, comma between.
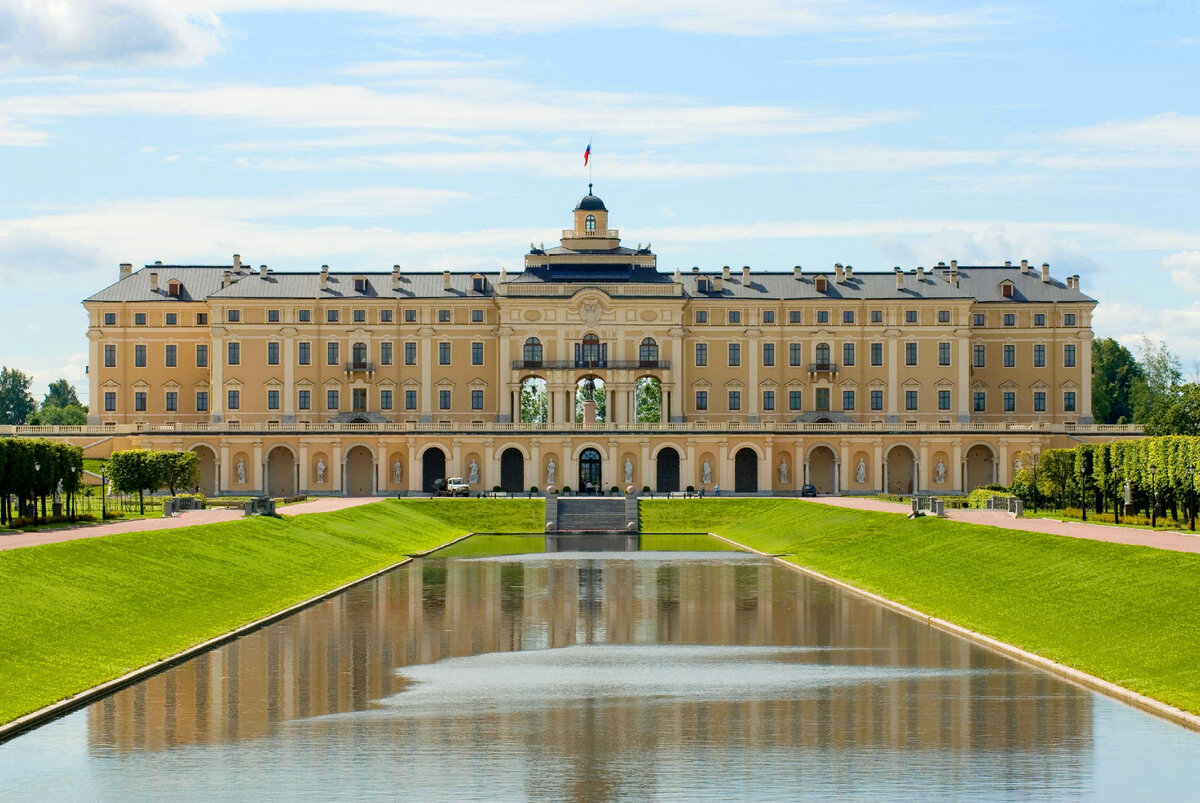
x: 767, y: 468
x: 216, y: 359
x: 376, y: 482
x: 724, y: 469
x: 456, y: 466
x: 305, y: 475
x: 754, y: 357
x: 843, y: 467
x: 414, y: 468
x: 491, y: 467
x: 1085, y: 378
x: 893, y: 368
x: 964, y: 376
x: 289, y: 374
x: 1003, y: 467
x: 426, y: 334
x: 648, y: 471
x: 338, y: 467
x: 259, y: 480
x: 508, y: 407
x: 95, y: 397
x: 957, y: 467
x: 223, y: 468
x: 880, y: 470
x: 923, y: 482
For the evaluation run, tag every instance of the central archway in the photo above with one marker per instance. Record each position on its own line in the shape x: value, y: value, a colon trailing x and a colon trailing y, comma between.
x: 360, y: 471
x: 666, y: 472
x: 590, y: 478
x: 981, y: 466
x: 208, y: 469
x: 745, y: 471
x: 512, y: 470
x: 822, y: 466
x: 433, y: 468
x: 281, y: 472
x: 901, y: 470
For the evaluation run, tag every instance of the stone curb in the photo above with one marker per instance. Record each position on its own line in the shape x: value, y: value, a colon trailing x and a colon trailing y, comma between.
x: 1079, y: 678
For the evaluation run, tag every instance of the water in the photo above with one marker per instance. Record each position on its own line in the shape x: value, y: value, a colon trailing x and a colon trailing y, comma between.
x: 601, y: 676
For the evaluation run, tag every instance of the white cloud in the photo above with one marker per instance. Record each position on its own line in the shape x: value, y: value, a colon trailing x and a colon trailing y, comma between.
x: 13, y: 134
x: 883, y: 59
x: 56, y: 33
x: 47, y: 368
x: 1167, y: 140
x: 1128, y: 322
x: 30, y: 253
x: 1185, y: 270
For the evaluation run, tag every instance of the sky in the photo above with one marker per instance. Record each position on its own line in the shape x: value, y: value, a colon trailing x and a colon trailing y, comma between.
x: 450, y: 135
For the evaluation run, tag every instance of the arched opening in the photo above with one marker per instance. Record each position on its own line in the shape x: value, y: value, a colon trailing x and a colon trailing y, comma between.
x: 590, y: 478
x: 666, y: 472
x: 647, y: 400
x: 901, y: 470
x: 648, y: 353
x: 531, y: 353
x: 589, y: 352
x: 589, y: 222
x: 360, y: 472
x: 281, y: 472
x: 981, y: 466
x: 208, y: 470
x: 433, y: 467
x: 745, y: 471
x: 822, y: 356
x: 535, y: 402
x: 822, y: 470
x: 512, y: 470
x: 591, y: 391
x: 360, y: 355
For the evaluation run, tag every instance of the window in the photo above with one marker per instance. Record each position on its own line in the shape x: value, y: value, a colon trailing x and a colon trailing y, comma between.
x: 233, y: 400
x: 795, y: 354
x: 735, y: 400
x: 1006, y: 290
x: 794, y: 316
x: 1069, y: 319
x: 768, y: 316
x: 847, y: 316
x: 1069, y: 355
x: 734, y: 316
x: 943, y: 353
x: 443, y: 400
x: 1010, y: 356
x: 410, y: 316
x: 170, y: 358
x: 201, y: 355
x: 304, y: 316
x: 360, y: 316
x: 110, y: 401
x: 1069, y: 401
x: 331, y: 353
x: 943, y: 400
x: 847, y: 354
x: 876, y: 316
x: 823, y: 359
x: 139, y: 356
x: 331, y: 400
x: 358, y: 355
x: 304, y: 352
x: 110, y: 319
x: 385, y: 400
x: 410, y: 352
x: 943, y: 316
x: 978, y: 355
x: 702, y: 285
x: 589, y: 223
x: 477, y: 353
x: 532, y: 350
x: 272, y: 399
x: 272, y: 353
x: 233, y: 354
x: 385, y: 316
x: 735, y: 354
x: 360, y: 285
x: 444, y: 352
x: 331, y: 316
x: 1039, y: 319
x: 910, y: 316
x: 980, y: 401
x: 768, y: 400
x: 201, y: 319
x: 910, y: 353
x: 110, y: 356
x: 443, y: 316
x: 795, y: 399
x: 876, y: 354
x: 822, y: 400
x: 1039, y: 356
x: 385, y: 353
x: 1010, y: 401
x: 822, y: 316
x: 1039, y: 401
x: 910, y: 400
x: 701, y: 354
x: 821, y: 284
x: 648, y: 351
x: 201, y: 401
x: 358, y: 400
x: 172, y: 401
x: 476, y: 399
x: 768, y: 354
x: 476, y: 316
x: 979, y: 319
x: 233, y: 315
x: 410, y: 400
x: 478, y: 284
x: 139, y: 401
x: 847, y: 400
x: 877, y: 400
x: 272, y: 316
x: 701, y: 316
x: 172, y: 319
x: 702, y: 400
x: 304, y: 400
x: 139, y: 319
x: 1010, y: 319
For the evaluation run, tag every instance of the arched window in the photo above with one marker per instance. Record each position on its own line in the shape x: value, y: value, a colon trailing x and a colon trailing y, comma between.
x: 589, y: 223
x: 648, y: 351
x: 360, y: 355
x: 822, y: 354
x: 589, y: 350
x: 533, y: 350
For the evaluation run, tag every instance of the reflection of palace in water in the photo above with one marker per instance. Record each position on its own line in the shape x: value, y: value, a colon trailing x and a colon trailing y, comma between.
x: 343, y: 654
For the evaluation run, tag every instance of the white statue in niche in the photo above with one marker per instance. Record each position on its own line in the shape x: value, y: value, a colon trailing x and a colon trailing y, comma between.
x: 241, y: 471
x: 397, y: 472
x: 320, y: 470
x: 473, y: 473
x: 628, y: 470
x: 706, y: 472
x: 939, y: 472
x: 783, y: 471
x: 860, y: 475
x: 550, y: 469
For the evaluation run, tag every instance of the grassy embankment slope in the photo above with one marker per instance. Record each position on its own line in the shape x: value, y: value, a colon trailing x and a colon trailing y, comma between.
x: 1122, y: 613
x: 75, y: 614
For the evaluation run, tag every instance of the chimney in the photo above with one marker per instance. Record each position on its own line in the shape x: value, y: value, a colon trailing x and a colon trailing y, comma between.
x: 1008, y: 263
x: 725, y: 272
x: 227, y: 278
x: 262, y: 271
x: 837, y: 272
x: 695, y: 269
x: 954, y: 264
x: 899, y: 278
x: 797, y: 272
x: 395, y: 277
x: 1024, y: 266
x: 446, y: 279
x: 237, y: 261
x: 719, y: 281
x: 1075, y: 285
x: 952, y: 277
x: 920, y: 273
x: 746, y: 275
x: 1045, y: 273
x: 154, y: 281
x: 849, y: 272
x: 324, y: 277
x: 126, y: 270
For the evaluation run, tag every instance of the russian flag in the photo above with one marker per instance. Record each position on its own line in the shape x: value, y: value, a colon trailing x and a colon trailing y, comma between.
x: 586, y: 153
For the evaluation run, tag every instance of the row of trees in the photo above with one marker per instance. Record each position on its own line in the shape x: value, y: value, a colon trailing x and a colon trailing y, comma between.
x: 1162, y: 471
x: 60, y: 406
x: 34, y: 470
x: 141, y: 470
x: 1149, y: 391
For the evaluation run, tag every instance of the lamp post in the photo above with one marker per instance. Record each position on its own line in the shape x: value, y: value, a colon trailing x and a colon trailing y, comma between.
x: 37, y: 486
x: 70, y: 510
x: 1153, y: 500
x: 103, y: 512
x: 1192, y: 492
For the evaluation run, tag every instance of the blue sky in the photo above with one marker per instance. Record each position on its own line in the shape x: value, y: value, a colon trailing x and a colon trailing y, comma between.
x: 364, y: 133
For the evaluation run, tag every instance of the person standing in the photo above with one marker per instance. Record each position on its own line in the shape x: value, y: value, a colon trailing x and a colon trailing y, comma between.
x: 717, y: 489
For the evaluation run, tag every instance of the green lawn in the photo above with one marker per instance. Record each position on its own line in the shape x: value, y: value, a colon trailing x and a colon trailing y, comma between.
x: 1126, y: 614
x: 75, y: 614
x: 487, y: 515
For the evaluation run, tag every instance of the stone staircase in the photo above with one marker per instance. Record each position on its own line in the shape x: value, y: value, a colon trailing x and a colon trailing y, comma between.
x: 590, y: 514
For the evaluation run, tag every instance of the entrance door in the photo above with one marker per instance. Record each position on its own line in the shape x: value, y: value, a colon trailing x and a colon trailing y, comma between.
x: 666, y: 477
x: 433, y: 467
x: 512, y: 470
x: 589, y: 471
x: 745, y: 472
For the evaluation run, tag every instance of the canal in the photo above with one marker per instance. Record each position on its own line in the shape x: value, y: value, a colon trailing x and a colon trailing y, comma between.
x: 698, y: 675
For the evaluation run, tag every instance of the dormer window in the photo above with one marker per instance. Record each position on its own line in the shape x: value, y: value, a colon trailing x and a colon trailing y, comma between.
x: 589, y: 223
x: 822, y: 284
x: 173, y: 288
x: 1006, y: 289
x: 360, y: 284
x: 702, y: 285
x: 478, y: 283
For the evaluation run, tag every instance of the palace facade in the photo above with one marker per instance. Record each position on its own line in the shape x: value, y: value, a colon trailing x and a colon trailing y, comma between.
x: 759, y: 381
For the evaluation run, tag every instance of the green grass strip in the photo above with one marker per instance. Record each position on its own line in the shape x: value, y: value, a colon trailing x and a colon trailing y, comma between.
x: 1126, y: 614
x: 76, y: 614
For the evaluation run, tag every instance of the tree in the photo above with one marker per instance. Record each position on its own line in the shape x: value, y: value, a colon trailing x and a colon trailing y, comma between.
x: 648, y: 400
x: 177, y: 469
x: 1177, y: 413
x: 1115, y: 374
x: 1161, y: 373
x: 52, y: 415
x: 534, y: 405
x: 62, y: 394
x: 135, y: 471
x: 15, y: 401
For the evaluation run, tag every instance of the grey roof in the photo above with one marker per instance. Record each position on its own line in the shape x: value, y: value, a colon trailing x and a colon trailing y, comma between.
x: 198, y: 282
x: 591, y: 203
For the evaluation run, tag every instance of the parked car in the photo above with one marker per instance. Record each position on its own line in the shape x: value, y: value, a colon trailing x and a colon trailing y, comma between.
x: 808, y: 490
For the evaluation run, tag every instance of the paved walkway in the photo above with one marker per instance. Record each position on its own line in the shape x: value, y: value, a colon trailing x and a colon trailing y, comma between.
x: 188, y: 519
x: 1134, y: 536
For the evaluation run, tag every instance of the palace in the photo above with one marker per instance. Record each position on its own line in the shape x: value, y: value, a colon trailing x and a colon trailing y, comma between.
x: 590, y: 367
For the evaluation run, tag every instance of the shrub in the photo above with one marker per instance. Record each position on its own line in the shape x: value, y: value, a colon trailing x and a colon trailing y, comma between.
x: 566, y: 489
x: 496, y: 489
x: 691, y: 489
x: 978, y: 497
x: 645, y: 489
x: 616, y: 490
x: 28, y: 521
x: 533, y: 489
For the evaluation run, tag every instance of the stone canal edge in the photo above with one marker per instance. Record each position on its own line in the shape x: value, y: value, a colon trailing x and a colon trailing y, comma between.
x: 70, y: 704
x: 1070, y: 674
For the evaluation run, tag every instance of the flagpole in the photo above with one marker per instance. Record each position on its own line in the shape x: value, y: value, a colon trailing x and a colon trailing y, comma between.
x: 589, y: 164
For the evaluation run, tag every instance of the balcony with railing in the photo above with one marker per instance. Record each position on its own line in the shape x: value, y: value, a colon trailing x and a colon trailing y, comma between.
x: 595, y: 234
x: 611, y: 365
x: 360, y: 366
x: 822, y: 367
